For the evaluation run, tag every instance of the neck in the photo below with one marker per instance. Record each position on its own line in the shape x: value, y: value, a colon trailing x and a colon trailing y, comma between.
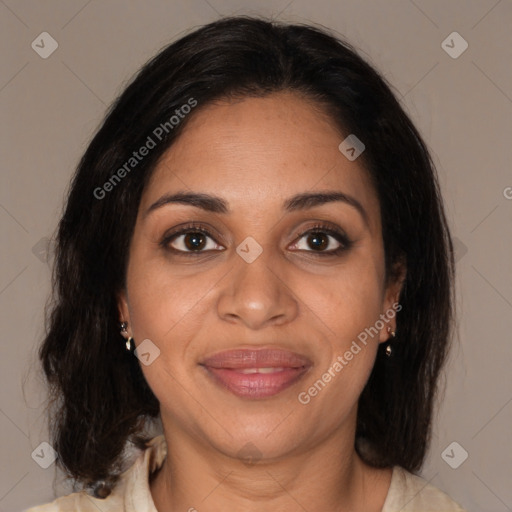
x: 329, y: 476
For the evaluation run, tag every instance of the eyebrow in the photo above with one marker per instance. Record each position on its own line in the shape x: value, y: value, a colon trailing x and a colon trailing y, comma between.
x: 298, y: 202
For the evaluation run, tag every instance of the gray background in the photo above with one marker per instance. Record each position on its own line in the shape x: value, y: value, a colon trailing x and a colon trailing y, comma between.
x: 463, y: 107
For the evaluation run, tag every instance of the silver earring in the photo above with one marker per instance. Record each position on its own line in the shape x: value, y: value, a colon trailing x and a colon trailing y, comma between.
x: 389, y: 350
x: 129, y: 342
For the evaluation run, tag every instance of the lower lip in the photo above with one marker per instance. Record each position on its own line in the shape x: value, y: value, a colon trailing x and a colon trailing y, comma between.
x: 256, y: 385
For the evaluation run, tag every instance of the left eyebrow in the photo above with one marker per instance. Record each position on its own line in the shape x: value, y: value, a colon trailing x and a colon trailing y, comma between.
x: 216, y: 204
x: 310, y: 200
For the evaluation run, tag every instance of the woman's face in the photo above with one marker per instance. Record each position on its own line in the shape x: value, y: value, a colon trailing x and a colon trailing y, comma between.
x: 291, y: 284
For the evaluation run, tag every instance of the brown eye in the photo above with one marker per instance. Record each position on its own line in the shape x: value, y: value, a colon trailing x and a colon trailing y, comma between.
x: 190, y: 240
x: 323, y: 241
x: 194, y: 241
x: 318, y: 241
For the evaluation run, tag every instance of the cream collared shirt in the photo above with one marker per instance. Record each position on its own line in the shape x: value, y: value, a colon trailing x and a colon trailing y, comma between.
x: 407, y: 492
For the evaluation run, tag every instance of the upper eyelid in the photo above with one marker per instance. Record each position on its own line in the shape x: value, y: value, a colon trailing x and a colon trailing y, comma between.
x: 298, y: 234
x: 183, y: 230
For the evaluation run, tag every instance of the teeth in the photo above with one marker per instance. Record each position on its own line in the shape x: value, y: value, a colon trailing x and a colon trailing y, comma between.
x: 260, y: 370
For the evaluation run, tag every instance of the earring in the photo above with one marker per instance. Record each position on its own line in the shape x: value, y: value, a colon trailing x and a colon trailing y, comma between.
x: 389, y: 350
x: 124, y: 333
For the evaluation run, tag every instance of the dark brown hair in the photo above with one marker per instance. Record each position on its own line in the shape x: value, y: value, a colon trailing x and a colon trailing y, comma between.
x: 100, y: 399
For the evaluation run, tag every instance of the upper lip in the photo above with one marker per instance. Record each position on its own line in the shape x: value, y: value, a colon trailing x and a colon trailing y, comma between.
x: 257, y: 358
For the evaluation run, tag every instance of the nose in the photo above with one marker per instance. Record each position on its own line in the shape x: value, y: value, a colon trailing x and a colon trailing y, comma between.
x: 257, y: 294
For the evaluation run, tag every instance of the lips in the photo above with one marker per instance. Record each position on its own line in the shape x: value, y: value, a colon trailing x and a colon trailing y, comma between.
x: 255, y: 374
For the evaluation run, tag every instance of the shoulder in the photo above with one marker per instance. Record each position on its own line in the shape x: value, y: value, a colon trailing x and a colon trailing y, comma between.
x: 80, y: 502
x: 131, y: 494
x: 411, y: 493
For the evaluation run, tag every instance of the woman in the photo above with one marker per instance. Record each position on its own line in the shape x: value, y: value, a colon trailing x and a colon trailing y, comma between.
x: 254, y: 251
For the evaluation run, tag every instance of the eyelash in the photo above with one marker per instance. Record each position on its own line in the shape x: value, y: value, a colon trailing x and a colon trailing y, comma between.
x: 339, y: 236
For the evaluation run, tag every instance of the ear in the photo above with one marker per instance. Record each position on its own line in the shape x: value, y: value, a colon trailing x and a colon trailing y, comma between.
x: 124, y: 312
x: 391, y: 305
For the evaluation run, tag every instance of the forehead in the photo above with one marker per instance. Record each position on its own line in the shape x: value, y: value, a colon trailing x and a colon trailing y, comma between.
x: 256, y: 151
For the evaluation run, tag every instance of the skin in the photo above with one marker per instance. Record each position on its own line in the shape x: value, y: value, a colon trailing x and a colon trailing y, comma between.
x: 255, y: 153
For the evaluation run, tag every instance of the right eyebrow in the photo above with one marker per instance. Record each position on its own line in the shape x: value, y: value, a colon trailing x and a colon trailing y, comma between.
x: 206, y: 202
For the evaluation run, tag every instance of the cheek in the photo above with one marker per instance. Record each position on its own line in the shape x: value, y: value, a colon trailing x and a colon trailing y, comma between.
x: 168, y: 306
x: 348, y: 301
x: 349, y: 305
x: 338, y: 380
x: 170, y: 303
x: 165, y: 300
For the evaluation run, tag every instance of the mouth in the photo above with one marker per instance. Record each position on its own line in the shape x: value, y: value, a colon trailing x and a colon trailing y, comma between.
x: 256, y: 374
